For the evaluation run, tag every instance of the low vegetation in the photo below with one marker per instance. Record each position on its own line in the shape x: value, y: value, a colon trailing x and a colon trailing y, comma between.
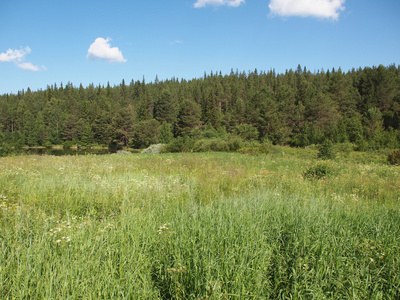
x: 277, y: 223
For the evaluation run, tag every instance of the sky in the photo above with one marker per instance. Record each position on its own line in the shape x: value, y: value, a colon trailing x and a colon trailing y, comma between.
x: 45, y: 42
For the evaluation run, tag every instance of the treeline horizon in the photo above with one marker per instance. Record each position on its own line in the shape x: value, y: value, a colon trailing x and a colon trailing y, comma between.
x: 297, y: 108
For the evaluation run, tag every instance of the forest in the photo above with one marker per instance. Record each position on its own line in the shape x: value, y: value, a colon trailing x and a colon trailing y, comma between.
x: 297, y: 108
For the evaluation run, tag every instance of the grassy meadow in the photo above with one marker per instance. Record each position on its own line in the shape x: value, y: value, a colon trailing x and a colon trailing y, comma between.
x: 199, y: 226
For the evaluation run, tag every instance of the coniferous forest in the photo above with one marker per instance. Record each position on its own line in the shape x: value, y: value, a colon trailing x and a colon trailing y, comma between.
x: 296, y: 108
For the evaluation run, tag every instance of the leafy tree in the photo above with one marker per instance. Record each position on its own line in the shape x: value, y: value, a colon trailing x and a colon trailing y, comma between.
x: 146, y: 133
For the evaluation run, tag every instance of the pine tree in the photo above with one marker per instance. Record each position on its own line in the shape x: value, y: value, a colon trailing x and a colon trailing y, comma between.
x: 164, y: 108
x: 188, y: 117
x: 166, y: 134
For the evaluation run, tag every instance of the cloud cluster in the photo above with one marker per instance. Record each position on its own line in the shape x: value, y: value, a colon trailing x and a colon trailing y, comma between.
x: 17, y: 57
x: 329, y: 9
x: 202, y: 3
x: 101, y: 49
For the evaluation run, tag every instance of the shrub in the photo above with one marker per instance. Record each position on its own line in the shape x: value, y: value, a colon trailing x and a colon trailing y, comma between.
x: 48, y: 144
x: 255, y: 149
x: 5, y: 150
x: 154, y: 149
x: 318, y: 171
x: 325, y: 150
x: 206, y: 145
x: 246, y: 132
x: 115, y: 145
x: 344, y: 147
x: 394, y: 157
x: 179, y: 144
x: 68, y: 144
x: 234, y: 143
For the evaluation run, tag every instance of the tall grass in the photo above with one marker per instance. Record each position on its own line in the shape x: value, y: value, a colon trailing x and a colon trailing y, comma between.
x: 198, y: 226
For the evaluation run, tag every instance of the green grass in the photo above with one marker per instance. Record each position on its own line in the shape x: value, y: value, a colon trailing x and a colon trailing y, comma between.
x: 199, y: 226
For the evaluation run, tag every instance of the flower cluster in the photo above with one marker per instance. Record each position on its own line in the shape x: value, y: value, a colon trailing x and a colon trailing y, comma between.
x: 63, y: 230
x: 5, y: 205
x: 164, y: 230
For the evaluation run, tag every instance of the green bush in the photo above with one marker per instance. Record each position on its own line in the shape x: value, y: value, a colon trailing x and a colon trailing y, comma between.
x: 246, y: 132
x: 255, y: 148
x: 325, y: 150
x: 234, y: 143
x: 179, y: 144
x: 344, y: 147
x: 115, y: 145
x: 5, y: 150
x: 206, y: 145
x: 48, y: 144
x: 318, y: 171
x: 394, y: 157
x: 68, y: 144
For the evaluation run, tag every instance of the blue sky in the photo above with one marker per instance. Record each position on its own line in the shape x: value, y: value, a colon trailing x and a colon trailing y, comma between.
x: 43, y: 42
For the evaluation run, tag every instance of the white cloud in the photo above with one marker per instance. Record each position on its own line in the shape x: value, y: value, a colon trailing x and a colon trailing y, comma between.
x: 101, y: 49
x: 27, y: 66
x: 17, y: 57
x: 202, y: 3
x: 14, y: 55
x: 329, y: 9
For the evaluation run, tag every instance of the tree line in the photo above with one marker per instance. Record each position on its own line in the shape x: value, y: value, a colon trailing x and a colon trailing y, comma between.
x: 296, y: 108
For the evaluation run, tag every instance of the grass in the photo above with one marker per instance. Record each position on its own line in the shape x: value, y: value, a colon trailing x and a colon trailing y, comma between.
x: 199, y: 226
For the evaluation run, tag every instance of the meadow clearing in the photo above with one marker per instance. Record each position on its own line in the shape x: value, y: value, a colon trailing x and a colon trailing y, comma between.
x: 199, y: 226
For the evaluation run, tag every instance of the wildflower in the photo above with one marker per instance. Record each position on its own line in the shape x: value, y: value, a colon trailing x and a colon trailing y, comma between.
x: 58, y: 241
x: 163, y: 229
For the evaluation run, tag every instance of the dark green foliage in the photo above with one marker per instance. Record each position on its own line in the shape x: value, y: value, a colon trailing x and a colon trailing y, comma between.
x: 48, y: 144
x: 344, y: 147
x: 206, y: 145
x: 298, y: 108
x: 188, y: 117
x: 235, y: 143
x: 326, y: 150
x: 394, y: 157
x: 68, y: 144
x: 115, y: 145
x: 166, y: 133
x: 246, y: 132
x: 165, y: 108
x: 180, y: 144
x: 146, y: 133
x: 209, y: 113
x: 318, y: 171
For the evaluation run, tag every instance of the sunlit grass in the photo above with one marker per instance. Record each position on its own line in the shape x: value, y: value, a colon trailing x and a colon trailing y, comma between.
x: 198, y: 226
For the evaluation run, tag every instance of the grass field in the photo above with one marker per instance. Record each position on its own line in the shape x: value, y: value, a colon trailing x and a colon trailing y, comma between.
x: 199, y: 226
